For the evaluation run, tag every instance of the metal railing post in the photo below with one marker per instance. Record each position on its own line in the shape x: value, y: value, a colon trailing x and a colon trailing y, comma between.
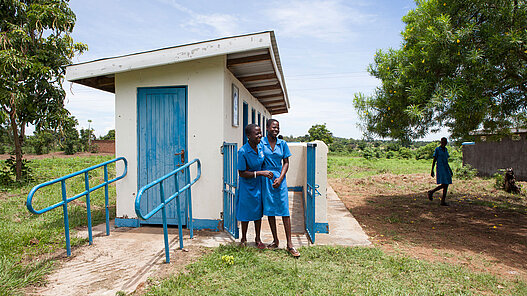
x: 66, y: 221
x: 88, y: 207
x: 165, y: 227
x: 106, y: 200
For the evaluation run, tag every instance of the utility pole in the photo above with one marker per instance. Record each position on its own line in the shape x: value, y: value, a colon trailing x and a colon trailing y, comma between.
x: 89, y: 133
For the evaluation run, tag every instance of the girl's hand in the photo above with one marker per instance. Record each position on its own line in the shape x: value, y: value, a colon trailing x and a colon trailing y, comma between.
x: 267, y: 174
x: 277, y: 182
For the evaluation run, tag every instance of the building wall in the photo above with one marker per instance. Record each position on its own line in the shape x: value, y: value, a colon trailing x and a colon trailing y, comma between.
x: 204, y: 80
x: 104, y: 146
x: 296, y: 175
x: 234, y: 134
x: 488, y: 157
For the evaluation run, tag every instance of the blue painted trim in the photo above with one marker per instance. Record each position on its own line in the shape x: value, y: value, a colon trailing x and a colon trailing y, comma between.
x: 125, y: 222
x: 321, y: 227
x: 209, y: 224
x: 296, y: 189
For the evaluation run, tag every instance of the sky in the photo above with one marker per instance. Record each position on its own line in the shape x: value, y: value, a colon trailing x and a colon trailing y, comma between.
x: 325, y: 47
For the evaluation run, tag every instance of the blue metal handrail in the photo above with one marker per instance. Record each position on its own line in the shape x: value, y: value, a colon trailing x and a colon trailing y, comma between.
x: 164, y: 202
x: 86, y: 192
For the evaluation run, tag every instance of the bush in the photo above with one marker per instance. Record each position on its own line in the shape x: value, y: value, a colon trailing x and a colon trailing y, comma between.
x: 405, y: 153
x: 499, y: 179
x: 8, y: 172
x: 466, y: 172
x: 425, y: 152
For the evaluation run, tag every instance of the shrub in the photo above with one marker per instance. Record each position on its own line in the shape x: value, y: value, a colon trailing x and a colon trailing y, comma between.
x: 466, y: 172
x: 425, y: 152
x: 405, y: 153
x: 499, y: 179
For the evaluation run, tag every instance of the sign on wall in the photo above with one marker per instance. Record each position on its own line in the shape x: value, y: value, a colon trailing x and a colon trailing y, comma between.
x: 235, y: 100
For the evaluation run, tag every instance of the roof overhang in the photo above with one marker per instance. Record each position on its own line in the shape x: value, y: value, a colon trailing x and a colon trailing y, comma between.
x: 253, y: 59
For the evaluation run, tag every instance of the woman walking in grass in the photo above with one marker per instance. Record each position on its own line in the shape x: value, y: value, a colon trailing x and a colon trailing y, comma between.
x: 443, y: 171
x: 274, y: 191
x: 249, y: 205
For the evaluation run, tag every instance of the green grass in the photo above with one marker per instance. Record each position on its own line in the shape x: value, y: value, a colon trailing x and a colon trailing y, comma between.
x: 358, y: 167
x: 323, y: 270
x: 25, y: 236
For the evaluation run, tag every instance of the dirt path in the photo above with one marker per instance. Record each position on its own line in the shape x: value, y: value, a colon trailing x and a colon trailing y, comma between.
x: 482, y: 228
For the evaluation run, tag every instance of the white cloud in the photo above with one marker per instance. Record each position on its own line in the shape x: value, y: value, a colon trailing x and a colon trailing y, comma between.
x: 220, y: 23
x: 327, y: 20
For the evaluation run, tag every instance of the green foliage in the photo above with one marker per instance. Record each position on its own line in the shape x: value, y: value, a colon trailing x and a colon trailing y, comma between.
x: 8, y: 172
x: 71, y: 142
x: 109, y: 136
x: 35, y: 46
x: 406, y: 153
x: 465, y: 172
x: 462, y: 64
x: 327, y: 270
x: 42, y: 141
x: 426, y: 152
x: 499, y: 179
x: 24, y: 237
x: 321, y: 133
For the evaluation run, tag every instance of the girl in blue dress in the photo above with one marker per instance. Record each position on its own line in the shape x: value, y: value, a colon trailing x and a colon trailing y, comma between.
x: 274, y: 190
x: 249, y: 204
x: 443, y: 172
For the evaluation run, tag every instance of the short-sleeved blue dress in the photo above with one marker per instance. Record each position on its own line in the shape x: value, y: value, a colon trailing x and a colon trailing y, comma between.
x: 275, y: 200
x: 443, y: 175
x: 249, y: 205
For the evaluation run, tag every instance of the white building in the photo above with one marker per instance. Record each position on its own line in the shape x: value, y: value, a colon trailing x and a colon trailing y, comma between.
x: 176, y: 104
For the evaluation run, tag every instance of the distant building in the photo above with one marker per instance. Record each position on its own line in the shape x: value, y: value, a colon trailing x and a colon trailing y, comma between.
x: 490, y: 152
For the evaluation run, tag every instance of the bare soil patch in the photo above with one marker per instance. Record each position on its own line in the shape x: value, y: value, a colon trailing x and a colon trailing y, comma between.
x: 483, y: 228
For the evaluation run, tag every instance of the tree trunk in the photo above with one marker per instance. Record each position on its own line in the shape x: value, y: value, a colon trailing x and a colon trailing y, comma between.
x: 18, y: 145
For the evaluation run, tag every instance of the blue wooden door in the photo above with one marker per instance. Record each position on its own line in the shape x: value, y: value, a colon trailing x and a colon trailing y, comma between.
x: 245, y: 121
x: 162, y: 147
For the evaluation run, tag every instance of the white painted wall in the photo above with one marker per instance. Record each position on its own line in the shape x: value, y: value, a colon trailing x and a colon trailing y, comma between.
x: 235, y: 134
x: 205, y: 81
x: 296, y: 175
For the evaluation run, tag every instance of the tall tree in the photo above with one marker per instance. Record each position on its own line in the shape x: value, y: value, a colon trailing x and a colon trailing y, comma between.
x: 320, y: 132
x: 35, y: 45
x: 462, y: 64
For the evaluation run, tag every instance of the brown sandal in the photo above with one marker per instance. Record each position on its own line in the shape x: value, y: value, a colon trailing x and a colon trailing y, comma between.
x: 260, y: 245
x: 272, y: 245
x: 293, y: 252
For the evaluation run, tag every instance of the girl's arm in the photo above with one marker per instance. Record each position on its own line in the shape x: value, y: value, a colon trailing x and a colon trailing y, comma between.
x: 433, y: 165
x: 249, y: 174
x: 285, y: 167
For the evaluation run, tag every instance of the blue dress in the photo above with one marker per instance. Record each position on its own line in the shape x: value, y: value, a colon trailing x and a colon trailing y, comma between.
x: 275, y: 200
x: 443, y: 173
x: 249, y: 203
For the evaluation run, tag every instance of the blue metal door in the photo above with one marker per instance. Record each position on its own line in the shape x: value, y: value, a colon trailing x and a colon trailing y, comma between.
x: 311, y: 192
x: 162, y: 146
x: 230, y: 185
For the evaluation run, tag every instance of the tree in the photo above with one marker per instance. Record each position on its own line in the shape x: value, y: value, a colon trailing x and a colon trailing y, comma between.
x: 35, y: 45
x: 109, y: 136
x: 320, y: 132
x: 462, y: 64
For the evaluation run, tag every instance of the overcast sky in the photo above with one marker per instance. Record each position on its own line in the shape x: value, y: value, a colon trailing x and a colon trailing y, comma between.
x: 325, y: 48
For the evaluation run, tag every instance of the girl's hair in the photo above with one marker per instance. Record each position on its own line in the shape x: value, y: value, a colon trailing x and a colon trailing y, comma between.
x: 250, y: 128
x: 270, y: 121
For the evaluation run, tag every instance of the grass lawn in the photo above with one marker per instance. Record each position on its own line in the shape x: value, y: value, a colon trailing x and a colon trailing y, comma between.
x: 28, y: 242
x: 321, y: 270
x: 358, y: 167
